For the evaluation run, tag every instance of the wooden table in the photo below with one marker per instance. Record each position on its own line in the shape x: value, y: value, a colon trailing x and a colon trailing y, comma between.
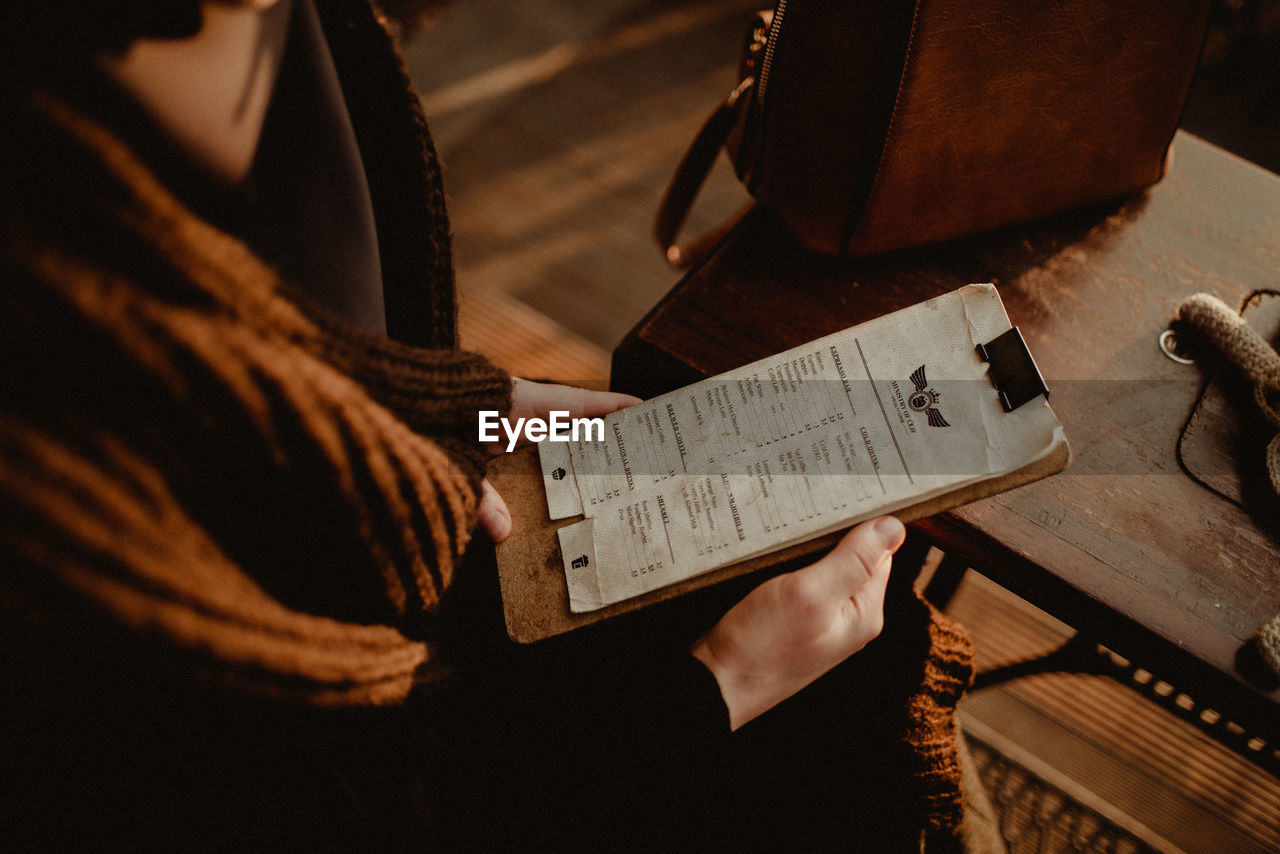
x: 1124, y: 546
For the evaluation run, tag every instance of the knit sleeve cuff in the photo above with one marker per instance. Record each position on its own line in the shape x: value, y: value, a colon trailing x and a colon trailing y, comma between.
x: 438, y: 393
x: 443, y: 399
x: 442, y: 392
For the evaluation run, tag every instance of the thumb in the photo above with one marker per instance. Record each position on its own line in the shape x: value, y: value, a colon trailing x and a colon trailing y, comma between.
x: 493, y: 514
x: 860, y: 555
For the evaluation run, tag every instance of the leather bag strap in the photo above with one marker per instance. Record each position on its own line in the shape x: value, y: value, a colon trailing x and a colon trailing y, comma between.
x: 688, y: 179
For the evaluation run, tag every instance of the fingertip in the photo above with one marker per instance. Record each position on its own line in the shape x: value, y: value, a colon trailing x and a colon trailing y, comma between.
x: 891, y: 532
x: 612, y: 401
x: 496, y: 524
x: 492, y: 514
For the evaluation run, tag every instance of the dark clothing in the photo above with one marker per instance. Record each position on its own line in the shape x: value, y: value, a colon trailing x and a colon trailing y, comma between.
x: 235, y: 609
x: 307, y: 202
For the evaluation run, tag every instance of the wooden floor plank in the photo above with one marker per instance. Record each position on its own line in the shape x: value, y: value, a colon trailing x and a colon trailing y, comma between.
x: 553, y: 185
x: 527, y: 343
x: 1109, y: 739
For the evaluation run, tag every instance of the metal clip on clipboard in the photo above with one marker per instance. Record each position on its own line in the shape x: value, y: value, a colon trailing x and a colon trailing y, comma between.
x: 1013, y: 371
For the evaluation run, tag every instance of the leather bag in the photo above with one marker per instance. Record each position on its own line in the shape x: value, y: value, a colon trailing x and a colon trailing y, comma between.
x: 871, y: 126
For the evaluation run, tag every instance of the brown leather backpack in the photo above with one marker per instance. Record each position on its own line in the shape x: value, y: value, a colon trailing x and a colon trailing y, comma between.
x: 866, y: 127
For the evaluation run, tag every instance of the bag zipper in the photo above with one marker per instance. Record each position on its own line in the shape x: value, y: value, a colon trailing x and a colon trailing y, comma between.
x: 770, y: 45
x: 761, y: 84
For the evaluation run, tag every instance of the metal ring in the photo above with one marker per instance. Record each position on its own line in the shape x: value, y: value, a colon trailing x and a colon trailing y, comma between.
x: 1169, y: 346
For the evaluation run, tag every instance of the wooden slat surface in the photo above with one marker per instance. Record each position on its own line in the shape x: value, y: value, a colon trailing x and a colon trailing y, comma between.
x: 526, y: 342
x: 559, y: 124
x: 1162, y: 771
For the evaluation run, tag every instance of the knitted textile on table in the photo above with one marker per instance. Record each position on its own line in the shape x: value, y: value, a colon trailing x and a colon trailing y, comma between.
x: 1225, y: 329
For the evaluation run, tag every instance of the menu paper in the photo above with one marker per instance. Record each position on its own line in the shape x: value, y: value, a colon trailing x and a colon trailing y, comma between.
x: 860, y: 423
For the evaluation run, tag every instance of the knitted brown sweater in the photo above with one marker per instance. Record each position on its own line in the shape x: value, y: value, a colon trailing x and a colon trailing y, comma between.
x: 195, y: 469
x: 205, y: 478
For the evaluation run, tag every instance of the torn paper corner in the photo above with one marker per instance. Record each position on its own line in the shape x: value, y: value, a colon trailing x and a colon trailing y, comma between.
x: 985, y: 318
x: 983, y: 312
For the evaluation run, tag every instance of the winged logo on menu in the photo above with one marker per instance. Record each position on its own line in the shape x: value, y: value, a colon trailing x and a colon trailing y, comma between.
x: 925, y: 399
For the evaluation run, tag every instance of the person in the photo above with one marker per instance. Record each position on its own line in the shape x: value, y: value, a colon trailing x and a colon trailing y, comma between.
x: 244, y: 602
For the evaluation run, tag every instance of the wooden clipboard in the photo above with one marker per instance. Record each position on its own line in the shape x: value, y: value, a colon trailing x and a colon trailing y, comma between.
x: 535, y: 597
